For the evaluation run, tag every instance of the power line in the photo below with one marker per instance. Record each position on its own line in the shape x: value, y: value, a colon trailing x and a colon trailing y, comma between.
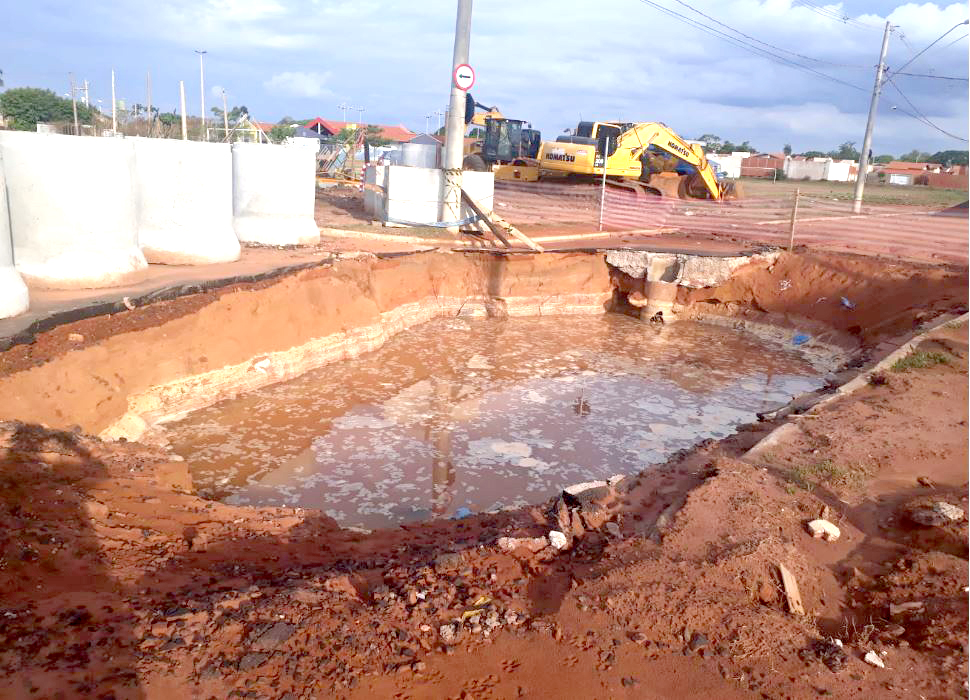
x: 777, y: 48
x: 959, y: 24
x: 740, y: 43
x: 959, y: 38
x: 927, y: 75
x: 921, y: 117
x: 835, y: 16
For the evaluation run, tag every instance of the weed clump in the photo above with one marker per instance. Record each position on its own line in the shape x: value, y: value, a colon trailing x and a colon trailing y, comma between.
x: 919, y: 360
x: 826, y: 472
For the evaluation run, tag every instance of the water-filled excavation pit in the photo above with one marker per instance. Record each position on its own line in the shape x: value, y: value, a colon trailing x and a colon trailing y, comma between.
x: 459, y: 416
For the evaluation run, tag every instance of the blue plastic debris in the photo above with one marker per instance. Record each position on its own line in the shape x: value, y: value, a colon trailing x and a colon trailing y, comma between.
x: 462, y: 512
x: 847, y: 304
x: 800, y: 338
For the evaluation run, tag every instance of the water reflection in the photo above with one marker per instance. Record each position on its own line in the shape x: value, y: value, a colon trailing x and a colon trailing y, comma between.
x: 484, y: 414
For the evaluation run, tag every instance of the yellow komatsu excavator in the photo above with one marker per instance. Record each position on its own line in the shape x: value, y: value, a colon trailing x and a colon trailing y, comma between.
x: 646, y: 155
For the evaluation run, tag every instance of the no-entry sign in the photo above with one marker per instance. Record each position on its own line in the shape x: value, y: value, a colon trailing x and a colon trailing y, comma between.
x: 464, y: 77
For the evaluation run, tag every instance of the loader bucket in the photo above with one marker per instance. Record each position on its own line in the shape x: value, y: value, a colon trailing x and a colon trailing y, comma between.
x: 731, y: 190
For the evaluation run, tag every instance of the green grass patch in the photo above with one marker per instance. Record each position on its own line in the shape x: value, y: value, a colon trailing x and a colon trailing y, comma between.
x: 826, y: 473
x: 919, y: 360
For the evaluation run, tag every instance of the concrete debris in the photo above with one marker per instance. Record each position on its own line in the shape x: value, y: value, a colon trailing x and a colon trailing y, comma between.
x: 533, y: 544
x: 922, y: 511
x: 448, y: 633
x: 75, y: 337
x: 896, y: 609
x: 873, y: 659
x: 587, y: 492
x: 614, y: 529
x: 558, y: 539
x: 823, y: 529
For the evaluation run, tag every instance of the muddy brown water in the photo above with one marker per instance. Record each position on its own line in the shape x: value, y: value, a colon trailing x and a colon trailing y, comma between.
x: 460, y: 416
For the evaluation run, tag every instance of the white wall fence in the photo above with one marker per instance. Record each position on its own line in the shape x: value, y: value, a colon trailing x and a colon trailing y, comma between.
x: 89, y: 213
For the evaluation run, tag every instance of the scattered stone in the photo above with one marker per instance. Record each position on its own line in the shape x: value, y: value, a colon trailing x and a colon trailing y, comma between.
x: 823, y: 529
x: 418, y: 666
x: 615, y: 479
x: 697, y: 641
x: 75, y: 337
x: 558, y: 539
x: 932, y: 513
x: 925, y: 482
x: 895, y: 630
x: 897, y: 609
x: 448, y: 633
x: 614, y: 529
x: 96, y: 510
x: 873, y: 659
x: 638, y: 637
x: 478, y: 362
x: 447, y: 561
x: 533, y: 544
x: 587, y: 492
x: 252, y: 660
x: 830, y: 653
x: 274, y: 636
x: 629, y: 682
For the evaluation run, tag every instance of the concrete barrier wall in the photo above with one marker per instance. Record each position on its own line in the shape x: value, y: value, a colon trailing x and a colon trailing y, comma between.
x: 805, y: 169
x: 414, y: 194
x: 273, y: 194
x: 13, y: 291
x: 184, y: 198
x: 72, y: 209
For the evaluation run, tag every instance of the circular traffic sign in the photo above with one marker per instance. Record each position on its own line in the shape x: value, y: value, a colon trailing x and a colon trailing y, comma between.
x: 464, y: 77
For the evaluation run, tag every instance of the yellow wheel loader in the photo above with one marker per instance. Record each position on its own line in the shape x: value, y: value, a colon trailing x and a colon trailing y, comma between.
x: 509, y: 148
x: 645, y: 156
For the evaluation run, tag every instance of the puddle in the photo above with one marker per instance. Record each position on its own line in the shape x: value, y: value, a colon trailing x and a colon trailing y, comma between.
x: 460, y: 416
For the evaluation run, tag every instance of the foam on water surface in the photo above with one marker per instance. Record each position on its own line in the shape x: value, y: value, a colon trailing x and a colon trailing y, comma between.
x: 484, y: 414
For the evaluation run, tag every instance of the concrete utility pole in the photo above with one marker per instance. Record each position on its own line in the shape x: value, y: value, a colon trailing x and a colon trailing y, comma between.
x: 87, y: 100
x: 343, y: 106
x: 203, y: 134
x: 114, y: 105
x: 77, y: 129
x: 225, y: 116
x: 148, y: 85
x: 455, y: 124
x: 185, y: 125
x: 860, y: 183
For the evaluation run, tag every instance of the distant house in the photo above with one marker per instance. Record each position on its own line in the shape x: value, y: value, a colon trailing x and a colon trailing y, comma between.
x: 332, y: 127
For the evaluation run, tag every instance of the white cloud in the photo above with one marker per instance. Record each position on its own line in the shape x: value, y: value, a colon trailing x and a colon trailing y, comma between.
x: 299, y: 84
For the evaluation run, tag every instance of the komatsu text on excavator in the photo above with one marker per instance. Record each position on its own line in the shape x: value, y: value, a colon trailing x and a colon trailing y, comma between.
x: 646, y: 155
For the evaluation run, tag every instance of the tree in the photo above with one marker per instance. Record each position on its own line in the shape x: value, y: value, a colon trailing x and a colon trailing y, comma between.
x: 236, y: 114
x: 746, y: 146
x: 787, y: 149
x: 374, y: 136
x: 915, y: 156
x: 279, y: 133
x: 846, y: 151
x: 949, y: 157
x: 814, y: 154
x: 883, y: 159
x: 712, y: 143
x: 26, y: 106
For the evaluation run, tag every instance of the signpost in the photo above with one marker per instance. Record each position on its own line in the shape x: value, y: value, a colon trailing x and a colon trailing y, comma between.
x: 464, y: 77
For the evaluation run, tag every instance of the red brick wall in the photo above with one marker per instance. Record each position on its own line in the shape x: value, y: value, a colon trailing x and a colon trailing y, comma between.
x: 956, y: 182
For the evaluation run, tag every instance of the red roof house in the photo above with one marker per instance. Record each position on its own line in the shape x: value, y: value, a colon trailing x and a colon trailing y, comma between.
x: 332, y: 127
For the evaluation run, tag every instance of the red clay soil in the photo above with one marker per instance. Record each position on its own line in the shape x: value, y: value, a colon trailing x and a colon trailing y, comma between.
x: 116, y: 583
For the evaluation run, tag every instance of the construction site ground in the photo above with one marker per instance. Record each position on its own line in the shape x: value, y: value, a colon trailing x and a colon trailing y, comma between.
x: 118, y: 582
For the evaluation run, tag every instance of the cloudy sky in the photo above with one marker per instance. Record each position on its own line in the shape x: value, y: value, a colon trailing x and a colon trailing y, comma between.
x: 547, y: 62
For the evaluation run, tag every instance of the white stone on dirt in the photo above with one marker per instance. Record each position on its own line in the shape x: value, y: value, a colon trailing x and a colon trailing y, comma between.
x: 533, y: 544
x: 577, y: 489
x: 903, y: 608
x: 873, y: 659
x: 949, y: 511
x: 823, y: 529
x: 478, y: 362
x: 558, y: 539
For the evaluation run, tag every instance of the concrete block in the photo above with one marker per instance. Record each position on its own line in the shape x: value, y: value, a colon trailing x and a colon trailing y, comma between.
x: 13, y: 291
x: 184, y: 191
x: 274, y: 193
x: 375, y: 201
x: 414, y: 194
x: 72, y: 209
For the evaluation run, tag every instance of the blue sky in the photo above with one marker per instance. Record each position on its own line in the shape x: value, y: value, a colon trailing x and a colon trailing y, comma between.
x: 547, y: 62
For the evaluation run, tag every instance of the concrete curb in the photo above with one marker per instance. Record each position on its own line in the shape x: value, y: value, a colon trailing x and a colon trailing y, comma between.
x: 788, y: 430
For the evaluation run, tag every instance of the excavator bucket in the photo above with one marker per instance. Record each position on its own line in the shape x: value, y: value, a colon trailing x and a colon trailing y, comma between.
x: 668, y: 184
x: 731, y: 190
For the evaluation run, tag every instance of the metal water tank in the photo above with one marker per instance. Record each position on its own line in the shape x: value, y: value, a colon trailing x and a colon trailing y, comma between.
x: 420, y: 155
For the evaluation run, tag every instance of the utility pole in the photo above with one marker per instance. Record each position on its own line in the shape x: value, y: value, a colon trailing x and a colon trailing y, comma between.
x: 114, y: 106
x: 185, y: 125
x: 225, y: 115
x: 87, y: 100
x: 343, y: 106
x: 77, y: 129
x: 202, y: 54
x: 427, y: 123
x: 455, y: 124
x: 360, y: 115
x: 151, y: 116
x: 860, y: 182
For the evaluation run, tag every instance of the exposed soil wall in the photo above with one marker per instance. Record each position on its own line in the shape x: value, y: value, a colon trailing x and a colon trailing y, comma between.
x: 296, y: 323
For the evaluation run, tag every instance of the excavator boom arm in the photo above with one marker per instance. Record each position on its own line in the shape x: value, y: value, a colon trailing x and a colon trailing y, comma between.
x: 647, y: 134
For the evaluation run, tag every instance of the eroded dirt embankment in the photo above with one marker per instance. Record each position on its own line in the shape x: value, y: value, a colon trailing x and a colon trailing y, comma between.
x: 117, y: 373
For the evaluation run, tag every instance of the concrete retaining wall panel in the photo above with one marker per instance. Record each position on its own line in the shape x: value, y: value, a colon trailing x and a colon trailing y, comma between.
x: 414, y: 194
x: 13, y: 291
x: 184, y: 196
x: 72, y: 209
x: 273, y: 194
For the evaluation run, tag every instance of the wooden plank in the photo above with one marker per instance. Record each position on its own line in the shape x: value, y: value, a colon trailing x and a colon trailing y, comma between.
x: 499, y: 227
x: 791, y: 590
